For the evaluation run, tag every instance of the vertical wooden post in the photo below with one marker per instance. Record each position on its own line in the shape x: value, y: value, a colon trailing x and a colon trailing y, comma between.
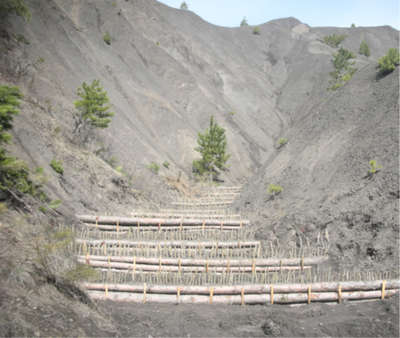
x: 207, y: 266
x: 309, y: 294
x: 302, y: 263
x: 159, y: 270
x: 272, y: 294
x: 339, y: 293
x: 253, y: 270
x: 179, y: 265
x: 242, y: 293
x: 108, y: 261
x: 229, y: 265
x: 211, y: 294
x: 96, y: 222
x: 383, y: 289
x: 106, y: 291
x: 134, y: 266
x: 178, y: 293
x: 117, y: 226
x: 180, y: 228
x: 144, y: 293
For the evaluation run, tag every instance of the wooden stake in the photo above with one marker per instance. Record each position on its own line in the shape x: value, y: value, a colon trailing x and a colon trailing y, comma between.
x: 222, y: 226
x: 179, y: 265
x: 229, y: 265
x: 383, y: 289
x: 181, y: 225
x: 178, y: 294
x: 144, y: 293
x: 242, y: 293
x: 309, y: 295
x: 302, y: 263
x: 339, y: 293
x: 138, y: 224
x: 134, y: 265
x: 254, y: 266
x: 207, y: 266
x: 106, y: 291
x: 240, y: 224
x: 160, y: 266
x: 108, y: 261
x: 117, y: 226
x: 211, y: 294
x: 272, y: 294
x: 96, y: 223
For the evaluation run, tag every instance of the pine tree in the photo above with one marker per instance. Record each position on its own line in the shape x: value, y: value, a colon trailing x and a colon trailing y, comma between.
x: 184, y: 5
x: 212, y: 147
x: 244, y: 22
x: 91, y: 109
x: 364, y: 49
x: 343, y: 71
x: 9, y: 99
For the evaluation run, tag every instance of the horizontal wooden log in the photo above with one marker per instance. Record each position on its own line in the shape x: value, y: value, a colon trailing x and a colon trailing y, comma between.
x: 224, y: 194
x: 199, y: 204
x: 237, y: 299
x: 250, y: 288
x: 199, y: 211
x: 161, y: 228
x: 182, y: 215
x: 229, y: 188
x: 212, y: 262
x: 175, y: 268
x: 125, y: 221
x: 170, y: 243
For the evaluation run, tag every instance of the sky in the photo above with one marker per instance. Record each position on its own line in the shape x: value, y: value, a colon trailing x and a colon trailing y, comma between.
x: 315, y: 13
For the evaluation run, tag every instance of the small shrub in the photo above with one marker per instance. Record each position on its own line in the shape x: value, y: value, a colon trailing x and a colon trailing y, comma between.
x: 373, y: 167
x: 166, y: 164
x: 153, y: 167
x: 113, y: 161
x: 119, y: 169
x: 353, y: 25
x: 55, y: 204
x: 364, y: 49
x: 119, y: 12
x: 256, y: 31
x: 157, y: 43
x: 107, y: 38
x: 22, y: 38
x: 114, y: 4
x: 184, y: 5
x: 40, y: 60
x: 232, y: 112
x: 42, y: 209
x: 334, y: 40
x: 272, y: 189
x: 57, y: 130
x: 57, y: 166
x: 389, y: 61
x: 282, y: 141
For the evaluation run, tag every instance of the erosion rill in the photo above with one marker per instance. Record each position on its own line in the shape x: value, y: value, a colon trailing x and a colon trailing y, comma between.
x: 198, y: 252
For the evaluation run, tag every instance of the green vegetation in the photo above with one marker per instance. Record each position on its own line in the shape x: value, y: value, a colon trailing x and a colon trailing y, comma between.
x: 166, y: 164
x: 15, y: 6
x: 282, y: 141
x: 153, y: 167
x: 232, y: 112
x: 21, y: 38
x: 256, y: 31
x: 119, y: 12
x: 388, y: 62
x: 15, y: 176
x: 184, y: 5
x: 157, y: 43
x: 91, y: 109
x: 57, y: 166
x: 107, y: 38
x: 42, y: 209
x: 273, y: 189
x: 113, y: 161
x: 373, y: 167
x: 212, y: 147
x: 353, y: 25
x: 334, y: 40
x: 343, y: 71
x: 364, y: 49
x: 55, y: 204
x: 244, y: 22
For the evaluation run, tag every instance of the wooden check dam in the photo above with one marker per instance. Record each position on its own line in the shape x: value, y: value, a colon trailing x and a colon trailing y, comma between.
x: 199, y: 252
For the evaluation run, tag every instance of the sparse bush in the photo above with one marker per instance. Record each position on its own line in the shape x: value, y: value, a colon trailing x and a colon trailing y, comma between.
x: 353, y: 25
x: 244, y: 22
x: 14, y: 6
x: 113, y: 161
x: 282, y: 141
x: 364, y: 49
x: 272, y: 189
x: 119, y: 12
x: 57, y: 130
x: 153, y: 167
x: 107, y: 38
x: 334, y: 40
x: 40, y: 60
x: 57, y: 166
x: 388, y: 62
x: 21, y: 38
x: 157, y: 43
x: 42, y: 209
x: 184, y: 5
x: 373, y: 167
x: 166, y: 164
x: 55, y: 204
x: 256, y: 31
x: 232, y: 112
